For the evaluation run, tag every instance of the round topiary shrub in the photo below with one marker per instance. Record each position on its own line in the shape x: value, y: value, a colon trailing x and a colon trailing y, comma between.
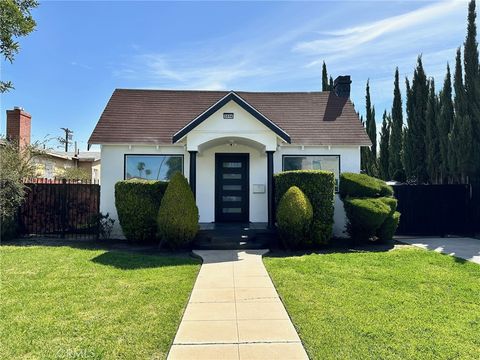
x: 361, y: 185
x: 365, y: 216
x: 389, y: 226
x: 137, y: 202
x: 178, y: 215
x: 391, y: 202
x: 294, y: 217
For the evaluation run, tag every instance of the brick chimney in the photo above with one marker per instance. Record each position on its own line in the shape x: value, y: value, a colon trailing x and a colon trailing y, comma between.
x: 18, y: 126
x: 341, y: 86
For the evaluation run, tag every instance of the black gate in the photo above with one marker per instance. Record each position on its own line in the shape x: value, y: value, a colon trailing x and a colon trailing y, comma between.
x: 60, y: 208
x: 434, y: 209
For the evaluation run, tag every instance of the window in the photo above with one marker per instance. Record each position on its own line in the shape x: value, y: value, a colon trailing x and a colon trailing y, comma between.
x: 313, y: 162
x: 152, y: 167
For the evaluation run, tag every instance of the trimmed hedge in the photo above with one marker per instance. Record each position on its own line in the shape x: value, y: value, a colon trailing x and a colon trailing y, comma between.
x: 365, y: 216
x: 389, y: 226
x: 361, y: 185
x: 294, y: 217
x: 319, y: 187
x: 391, y: 202
x: 178, y: 214
x: 137, y: 203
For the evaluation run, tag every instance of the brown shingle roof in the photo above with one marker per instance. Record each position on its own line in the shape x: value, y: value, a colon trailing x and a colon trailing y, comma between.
x: 154, y: 116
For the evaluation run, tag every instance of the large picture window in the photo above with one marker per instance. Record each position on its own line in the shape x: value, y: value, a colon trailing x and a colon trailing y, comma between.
x: 152, y: 167
x: 313, y: 162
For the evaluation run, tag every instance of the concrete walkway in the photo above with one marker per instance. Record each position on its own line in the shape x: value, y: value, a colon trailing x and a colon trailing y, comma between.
x: 465, y: 248
x: 234, y: 312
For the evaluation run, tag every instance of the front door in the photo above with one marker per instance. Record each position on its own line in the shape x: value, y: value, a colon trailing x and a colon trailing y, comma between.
x: 231, y: 187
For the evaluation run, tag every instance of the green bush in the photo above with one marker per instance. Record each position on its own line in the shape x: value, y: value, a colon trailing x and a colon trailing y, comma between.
x: 391, y: 202
x: 137, y: 203
x: 319, y: 187
x: 365, y: 216
x: 294, y: 217
x: 8, y: 228
x: 178, y: 215
x: 389, y: 226
x: 361, y: 185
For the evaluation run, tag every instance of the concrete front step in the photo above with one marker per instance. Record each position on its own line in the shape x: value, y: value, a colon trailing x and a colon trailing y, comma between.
x: 234, y: 237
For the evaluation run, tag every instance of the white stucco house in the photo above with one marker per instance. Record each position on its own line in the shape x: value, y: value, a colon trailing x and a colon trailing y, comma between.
x: 228, y: 144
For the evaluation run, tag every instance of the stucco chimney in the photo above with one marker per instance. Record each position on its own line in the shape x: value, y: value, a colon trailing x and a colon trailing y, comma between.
x: 341, y: 86
x: 18, y: 126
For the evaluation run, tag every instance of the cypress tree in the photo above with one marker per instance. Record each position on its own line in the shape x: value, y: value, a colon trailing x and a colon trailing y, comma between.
x: 371, y: 154
x: 472, y: 82
x: 325, y: 86
x: 384, y: 159
x: 416, y: 112
x: 432, y: 141
x: 396, y: 145
x: 363, y: 153
x: 408, y: 151
x: 330, y: 85
x: 445, y: 126
x: 461, y: 160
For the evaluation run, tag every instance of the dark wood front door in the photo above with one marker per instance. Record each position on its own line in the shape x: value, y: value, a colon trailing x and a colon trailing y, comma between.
x: 231, y: 187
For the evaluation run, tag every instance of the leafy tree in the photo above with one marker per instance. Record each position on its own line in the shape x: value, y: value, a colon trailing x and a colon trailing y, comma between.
x: 15, y: 21
x: 396, y: 144
x: 432, y: 140
x: 325, y: 85
x: 15, y: 165
x: 415, y: 150
x: 445, y: 125
x: 384, y: 160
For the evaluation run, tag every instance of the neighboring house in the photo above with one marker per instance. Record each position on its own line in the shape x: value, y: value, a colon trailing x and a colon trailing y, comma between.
x: 50, y: 163
x: 228, y: 144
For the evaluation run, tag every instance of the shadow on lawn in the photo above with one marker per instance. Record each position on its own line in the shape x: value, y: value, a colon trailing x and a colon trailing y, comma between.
x: 129, y: 261
x: 342, y: 246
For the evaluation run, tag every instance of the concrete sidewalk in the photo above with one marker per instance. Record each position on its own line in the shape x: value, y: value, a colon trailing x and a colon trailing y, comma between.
x: 234, y: 312
x: 464, y: 248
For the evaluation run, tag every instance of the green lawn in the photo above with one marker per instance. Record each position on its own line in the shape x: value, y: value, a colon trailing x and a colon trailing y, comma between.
x: 64, y: 302
x: 401, y: 304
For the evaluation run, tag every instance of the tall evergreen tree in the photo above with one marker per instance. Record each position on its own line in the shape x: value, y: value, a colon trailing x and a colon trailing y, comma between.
x: 432, y: 141
x: 330, y: 84
x: 416, y: 132
x: 384, y: 159
x: 363, y: 152
x: 472, y: 81
x: 461, y: 159
x: 396, y: 145
x: 371, y: 128
x: 325, y: 86
x: 408, y: 151
x: 445, y: 126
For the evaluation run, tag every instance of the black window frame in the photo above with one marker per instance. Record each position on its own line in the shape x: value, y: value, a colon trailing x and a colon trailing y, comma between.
x: 326, y: 155
x: 151, y: 155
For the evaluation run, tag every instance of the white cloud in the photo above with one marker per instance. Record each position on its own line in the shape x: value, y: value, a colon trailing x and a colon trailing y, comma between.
x: 346, y: 39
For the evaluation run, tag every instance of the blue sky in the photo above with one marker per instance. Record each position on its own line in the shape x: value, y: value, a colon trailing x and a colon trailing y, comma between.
x: 81, y: 51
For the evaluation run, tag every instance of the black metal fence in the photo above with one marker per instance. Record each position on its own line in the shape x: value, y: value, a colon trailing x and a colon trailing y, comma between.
x: 62, y: 208
x: 437, y: 209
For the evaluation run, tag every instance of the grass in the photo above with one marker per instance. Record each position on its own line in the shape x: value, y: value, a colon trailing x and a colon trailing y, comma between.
x: 401, y: 304
x: 64, y: 302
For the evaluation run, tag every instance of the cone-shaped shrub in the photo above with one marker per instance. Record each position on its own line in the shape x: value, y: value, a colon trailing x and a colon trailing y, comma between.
x: 178, y: 215
x: 294, y: 217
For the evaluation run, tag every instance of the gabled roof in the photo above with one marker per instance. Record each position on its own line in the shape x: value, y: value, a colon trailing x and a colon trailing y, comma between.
x: 231, y: 96
x: 156, y: 116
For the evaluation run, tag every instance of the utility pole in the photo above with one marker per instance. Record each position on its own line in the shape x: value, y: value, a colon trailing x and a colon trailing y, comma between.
x: 68, y: 137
